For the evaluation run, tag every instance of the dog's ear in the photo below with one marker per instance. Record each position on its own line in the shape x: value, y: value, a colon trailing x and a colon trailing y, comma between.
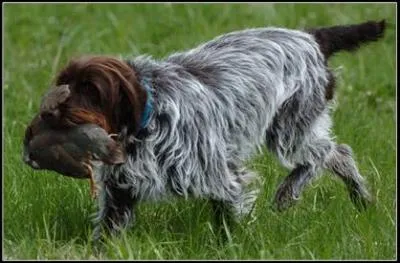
x: 133, y: 101
x: 50, y: 109
x: 102, y: 85
x: 126, y: 98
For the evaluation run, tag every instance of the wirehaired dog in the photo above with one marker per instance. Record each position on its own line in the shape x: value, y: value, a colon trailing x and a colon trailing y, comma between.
x: 189, y: 122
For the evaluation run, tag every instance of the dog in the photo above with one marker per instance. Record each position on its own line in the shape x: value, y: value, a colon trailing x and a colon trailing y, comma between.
x: 189, y: 122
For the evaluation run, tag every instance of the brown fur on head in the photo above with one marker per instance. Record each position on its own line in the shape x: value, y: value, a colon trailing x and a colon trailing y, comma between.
x: 104, y: 91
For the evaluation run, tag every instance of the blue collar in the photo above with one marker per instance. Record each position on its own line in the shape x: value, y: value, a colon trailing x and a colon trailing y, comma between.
x: 148, y: 108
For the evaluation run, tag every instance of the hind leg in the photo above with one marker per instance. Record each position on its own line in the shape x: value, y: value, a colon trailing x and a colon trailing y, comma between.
x: 307, y: 156
x: 341, y: 162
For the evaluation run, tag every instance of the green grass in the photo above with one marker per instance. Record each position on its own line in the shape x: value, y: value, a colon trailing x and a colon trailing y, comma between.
x: 46, y: 216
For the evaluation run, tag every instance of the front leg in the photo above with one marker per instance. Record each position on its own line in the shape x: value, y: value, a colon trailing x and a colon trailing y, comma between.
x: 223, y: 218
x: 116, y: 209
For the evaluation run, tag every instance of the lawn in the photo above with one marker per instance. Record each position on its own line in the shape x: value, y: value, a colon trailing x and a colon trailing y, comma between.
x: 47, y: 216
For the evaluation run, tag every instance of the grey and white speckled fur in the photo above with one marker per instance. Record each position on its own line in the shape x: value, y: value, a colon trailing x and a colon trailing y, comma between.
x: 216, y: 106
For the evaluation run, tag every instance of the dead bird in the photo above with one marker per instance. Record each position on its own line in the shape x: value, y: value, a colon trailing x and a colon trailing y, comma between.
x: 73, y: 151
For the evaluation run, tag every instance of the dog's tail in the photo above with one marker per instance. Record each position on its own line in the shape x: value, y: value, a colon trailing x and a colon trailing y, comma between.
x: 348, y: 37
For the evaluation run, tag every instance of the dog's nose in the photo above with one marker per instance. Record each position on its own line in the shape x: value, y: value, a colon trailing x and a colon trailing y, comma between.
x: 28, y: 160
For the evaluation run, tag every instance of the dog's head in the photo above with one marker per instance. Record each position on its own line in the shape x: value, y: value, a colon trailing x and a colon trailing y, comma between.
x: 101, y: 90
x: 93, y: 89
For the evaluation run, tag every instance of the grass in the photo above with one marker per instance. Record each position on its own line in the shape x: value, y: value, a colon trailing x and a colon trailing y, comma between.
x: 46, y: 216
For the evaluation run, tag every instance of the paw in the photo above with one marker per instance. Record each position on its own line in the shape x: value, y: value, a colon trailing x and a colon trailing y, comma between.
x: 284, y: 198
x: 360, y: 199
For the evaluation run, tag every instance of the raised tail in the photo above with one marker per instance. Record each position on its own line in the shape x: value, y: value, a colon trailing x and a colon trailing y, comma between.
x: 348, y: 37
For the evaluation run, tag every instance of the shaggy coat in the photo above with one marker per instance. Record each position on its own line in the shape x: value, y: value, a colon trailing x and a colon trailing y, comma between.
x: 191, y: 121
